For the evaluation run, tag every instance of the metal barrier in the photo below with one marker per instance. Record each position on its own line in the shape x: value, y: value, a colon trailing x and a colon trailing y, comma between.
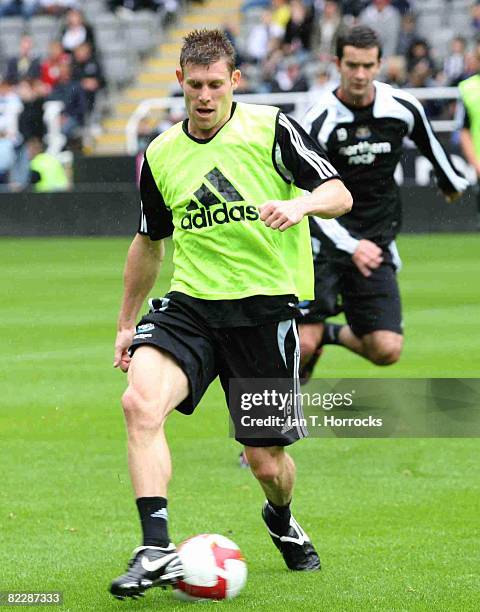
x: 302, y: 102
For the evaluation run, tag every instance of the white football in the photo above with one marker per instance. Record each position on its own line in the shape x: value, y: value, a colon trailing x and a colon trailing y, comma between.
x: 214, y: 568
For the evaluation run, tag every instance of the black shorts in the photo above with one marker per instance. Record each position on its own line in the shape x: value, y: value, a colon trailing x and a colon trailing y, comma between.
x: 369, y: 303
x: 268, y: 351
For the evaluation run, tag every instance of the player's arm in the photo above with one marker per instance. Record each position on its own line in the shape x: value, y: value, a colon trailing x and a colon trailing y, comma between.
x: 366, y: 255
x: 468, y: 149
x: 451, y: 183
x: 466, y: 141
x: 143, y: 262
x: 141, y: 271
x: 300, y: 160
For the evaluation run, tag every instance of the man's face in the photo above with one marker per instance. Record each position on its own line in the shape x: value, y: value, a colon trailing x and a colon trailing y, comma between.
x: 358, y: 68
x: 208, y: 92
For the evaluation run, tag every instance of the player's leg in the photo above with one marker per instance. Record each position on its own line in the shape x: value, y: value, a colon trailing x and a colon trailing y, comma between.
x: 373, y: 312
x: 381, y: 347
x: 311, y: 322
x: 311, y: 335
x: 275, y: 471
x: 269, y: 352
x: 171, y: 367
x: 156, y: 386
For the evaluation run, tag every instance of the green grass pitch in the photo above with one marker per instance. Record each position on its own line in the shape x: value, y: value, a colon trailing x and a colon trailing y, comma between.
x: 395, y: 521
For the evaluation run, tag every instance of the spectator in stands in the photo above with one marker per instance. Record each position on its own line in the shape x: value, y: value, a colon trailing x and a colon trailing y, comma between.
x: 10, y: 108
x: 408, y: 34
x: 419, y: 51
x: 25, y: 65
x: 327, y: 27
x: 403, y: 6
x: 56, y: 7
x: 289, y: 79
x: 476, y: 17
x: 395, y: 72
x: 7, y: 157
x: 30, y: 121
x: 75, y: 104
x: 46, y: 172
x: 281, y: 14
x: 298, y: 33
x: 421, y: 76
x: 124, y: 8
x: 353, y: 8
x: 323, y: 81
x: 87, y: 71
x: 76, y: 31
x: 382, y: 17
x: 50, y: 67
x: 20, y: 8
x: 260, y: 36
x: 454, y: 63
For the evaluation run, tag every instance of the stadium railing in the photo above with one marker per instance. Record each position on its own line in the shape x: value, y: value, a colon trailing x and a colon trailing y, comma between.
x: 301, y: 101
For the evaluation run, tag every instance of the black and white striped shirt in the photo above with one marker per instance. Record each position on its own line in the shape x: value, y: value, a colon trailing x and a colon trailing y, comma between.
x: 365, y: 145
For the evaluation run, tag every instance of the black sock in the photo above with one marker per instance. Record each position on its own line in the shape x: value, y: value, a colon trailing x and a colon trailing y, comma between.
x: 330, y: 333
x: 154, y: 519
x: 278, y: 517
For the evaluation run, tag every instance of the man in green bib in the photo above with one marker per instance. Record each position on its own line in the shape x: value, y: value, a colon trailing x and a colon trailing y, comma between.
x: 227, y: 184
x: 470, y: 124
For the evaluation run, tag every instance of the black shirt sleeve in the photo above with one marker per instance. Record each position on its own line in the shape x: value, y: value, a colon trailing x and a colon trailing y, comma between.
x: 449, y: 179
x: 466, y: 121
x: 298, y: 158
x: 155, y: 218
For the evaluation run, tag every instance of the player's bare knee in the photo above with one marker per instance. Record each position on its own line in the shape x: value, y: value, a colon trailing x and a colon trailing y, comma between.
x: 140, y: 413
x: 387, y: 352
x: 265, y: 465
x: 309, y: 340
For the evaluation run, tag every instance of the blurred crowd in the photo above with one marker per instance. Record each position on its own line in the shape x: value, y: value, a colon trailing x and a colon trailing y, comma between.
x: 289, y: 46
x: 292, y: 46
x: 70, y: 74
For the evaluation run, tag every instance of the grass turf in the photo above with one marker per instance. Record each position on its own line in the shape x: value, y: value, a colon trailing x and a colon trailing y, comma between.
x: 395, y: 521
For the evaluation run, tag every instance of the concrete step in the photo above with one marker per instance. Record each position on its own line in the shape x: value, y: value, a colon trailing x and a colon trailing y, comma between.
x: 150, y: 79
x: 157, y: 75
x: 198, y: 21
x: 138, y: 94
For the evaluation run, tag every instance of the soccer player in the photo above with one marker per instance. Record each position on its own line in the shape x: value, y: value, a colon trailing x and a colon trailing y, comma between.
x: 361, y: 125
x: 469, y: 111
x: 227, y: 183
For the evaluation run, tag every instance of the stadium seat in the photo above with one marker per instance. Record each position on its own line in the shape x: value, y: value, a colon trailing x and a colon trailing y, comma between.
x: 460, y: 22
x: 43, y: 30
x: 429, y: 23
x: 142, y: 31
x: 119, y: 65
x: 11, y: 29
x: 93, y: 8
x: 108, y: 31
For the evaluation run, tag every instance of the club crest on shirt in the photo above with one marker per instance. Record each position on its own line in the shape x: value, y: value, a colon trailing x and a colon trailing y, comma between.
x: 363, y: 132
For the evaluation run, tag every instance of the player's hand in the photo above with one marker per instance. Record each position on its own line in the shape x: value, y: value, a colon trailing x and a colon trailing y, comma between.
x: 452, y: 196
x: 367, y: 257
x: 281, y: 214
x: 123, y: 340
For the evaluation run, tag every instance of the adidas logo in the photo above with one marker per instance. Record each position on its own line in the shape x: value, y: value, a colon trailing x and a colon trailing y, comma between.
x: 162, y: 513
x: 208, y: 208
